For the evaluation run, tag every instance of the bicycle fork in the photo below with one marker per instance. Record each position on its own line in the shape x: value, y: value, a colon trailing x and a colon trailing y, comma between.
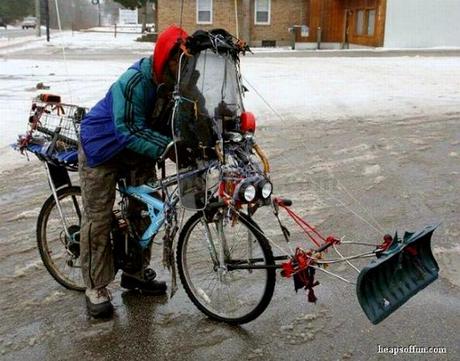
x: 220, y: 254
x: 222, y: 257
x: 58, y: 203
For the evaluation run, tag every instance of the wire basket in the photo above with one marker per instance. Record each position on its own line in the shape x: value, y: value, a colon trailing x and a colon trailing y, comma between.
x: 59, y: 123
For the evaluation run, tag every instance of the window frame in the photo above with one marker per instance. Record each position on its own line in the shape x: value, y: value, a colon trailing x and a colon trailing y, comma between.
x: 198, y: 13
x: 365, y: 24
x: 268, y: 22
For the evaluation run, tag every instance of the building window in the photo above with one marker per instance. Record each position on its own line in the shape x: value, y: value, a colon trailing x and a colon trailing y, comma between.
x: 204, y: 11
x: 360, y: 22
x: 365, y: 22
x: 371, y: 22
x: 262, y: 12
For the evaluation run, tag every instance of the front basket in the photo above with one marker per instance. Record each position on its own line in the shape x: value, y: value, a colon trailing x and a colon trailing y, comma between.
x: 406, y: 268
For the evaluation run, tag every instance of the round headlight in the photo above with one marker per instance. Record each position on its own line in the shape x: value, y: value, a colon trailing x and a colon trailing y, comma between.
x: 249, y: 193
x: 267, y: 190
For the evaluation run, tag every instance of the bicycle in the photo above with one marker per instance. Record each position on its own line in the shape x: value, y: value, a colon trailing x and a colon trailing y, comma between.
x: 224, y: 259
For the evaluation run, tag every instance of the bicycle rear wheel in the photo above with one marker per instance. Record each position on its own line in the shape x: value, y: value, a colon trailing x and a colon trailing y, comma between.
x: 59, y: 253
x: 220, y: 291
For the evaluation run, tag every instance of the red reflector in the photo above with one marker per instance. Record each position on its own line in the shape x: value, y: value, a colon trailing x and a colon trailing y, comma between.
x: 248, y: 122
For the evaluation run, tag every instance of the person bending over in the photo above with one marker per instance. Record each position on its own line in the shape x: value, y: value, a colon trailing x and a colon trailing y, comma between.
x: 117, y: 137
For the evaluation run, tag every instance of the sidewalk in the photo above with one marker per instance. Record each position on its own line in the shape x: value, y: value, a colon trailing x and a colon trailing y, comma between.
x: 8, y: 45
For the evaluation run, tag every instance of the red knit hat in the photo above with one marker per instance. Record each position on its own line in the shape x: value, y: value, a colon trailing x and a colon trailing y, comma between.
x: 166, y: 42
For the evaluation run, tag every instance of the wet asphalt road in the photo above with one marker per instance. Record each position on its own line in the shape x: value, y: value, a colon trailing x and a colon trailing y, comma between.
x: 42, y: 321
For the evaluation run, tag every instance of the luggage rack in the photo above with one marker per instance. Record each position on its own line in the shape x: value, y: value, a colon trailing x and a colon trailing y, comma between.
x: 54, y: 131
x: 57, y: 120
x: 53, y: 137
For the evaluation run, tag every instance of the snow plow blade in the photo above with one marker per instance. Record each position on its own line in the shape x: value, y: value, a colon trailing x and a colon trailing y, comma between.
x: 404, y: 269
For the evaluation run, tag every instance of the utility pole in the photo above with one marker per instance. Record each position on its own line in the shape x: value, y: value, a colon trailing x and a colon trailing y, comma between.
x: 99, y: 13
x: 39, y: 18
x: 98, y: 3
x: 47, y: 19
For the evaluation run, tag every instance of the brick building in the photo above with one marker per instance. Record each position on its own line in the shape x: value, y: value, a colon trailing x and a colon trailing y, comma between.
x: 333, y: 23
x: 259, y: 22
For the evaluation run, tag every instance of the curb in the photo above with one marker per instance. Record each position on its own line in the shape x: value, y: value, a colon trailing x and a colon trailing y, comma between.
x: 381, y: 53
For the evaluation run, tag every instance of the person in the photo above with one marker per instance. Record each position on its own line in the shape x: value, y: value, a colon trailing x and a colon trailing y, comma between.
x: 118, y: 137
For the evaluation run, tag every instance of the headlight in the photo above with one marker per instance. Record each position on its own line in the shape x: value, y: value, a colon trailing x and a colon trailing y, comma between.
x: 267, y: 189
x: 249, y: 193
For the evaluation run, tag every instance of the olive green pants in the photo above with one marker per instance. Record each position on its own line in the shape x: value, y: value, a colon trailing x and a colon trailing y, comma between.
x: 98, y: 197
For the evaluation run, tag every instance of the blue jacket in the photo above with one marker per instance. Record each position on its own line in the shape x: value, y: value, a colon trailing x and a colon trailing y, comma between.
x: 118, y: 121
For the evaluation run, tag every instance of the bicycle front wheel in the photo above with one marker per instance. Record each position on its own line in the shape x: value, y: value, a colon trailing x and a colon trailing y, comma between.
x: 60, y: 250
x: 218, y: 265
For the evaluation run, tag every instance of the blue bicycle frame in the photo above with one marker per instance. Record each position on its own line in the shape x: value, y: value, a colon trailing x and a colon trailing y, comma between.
x: 156, y: 209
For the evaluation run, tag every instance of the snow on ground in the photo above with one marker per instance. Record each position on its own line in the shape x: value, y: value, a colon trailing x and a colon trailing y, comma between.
x: 99, y: 41
x: 121, y: 28
x: 10, y: 37
x: 79, y: 82
x: 299, y: 89
x: 84, y: 41
x: 6, y: 42
x: 309, y: 89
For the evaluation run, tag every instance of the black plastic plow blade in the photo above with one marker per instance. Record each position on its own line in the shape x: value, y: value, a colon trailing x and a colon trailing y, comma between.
x: 406, y: 268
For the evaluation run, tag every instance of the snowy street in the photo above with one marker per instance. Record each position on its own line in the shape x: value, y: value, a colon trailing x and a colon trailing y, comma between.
x: 15, y: 32
x: 361, y: 145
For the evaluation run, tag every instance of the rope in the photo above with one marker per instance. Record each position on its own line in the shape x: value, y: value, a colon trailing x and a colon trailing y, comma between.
x: 344, y: 189
x: 333, y: 274
x: 341, y: 256
x: 304, y: 225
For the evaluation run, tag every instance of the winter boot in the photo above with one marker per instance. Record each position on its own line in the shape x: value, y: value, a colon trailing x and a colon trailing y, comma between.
x: 146, y: 284
x: 98, y: 302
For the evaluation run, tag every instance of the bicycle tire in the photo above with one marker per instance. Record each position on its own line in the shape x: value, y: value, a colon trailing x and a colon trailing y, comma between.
x: 42, y: 241
x: 260, y: 307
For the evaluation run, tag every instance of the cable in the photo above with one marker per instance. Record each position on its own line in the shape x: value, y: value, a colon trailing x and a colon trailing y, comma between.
x: 63, y: 50
x: 377, y: 227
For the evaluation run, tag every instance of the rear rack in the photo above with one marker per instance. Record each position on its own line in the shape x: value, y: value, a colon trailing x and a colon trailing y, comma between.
x: 59, y: 122
x: 54, y: 131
